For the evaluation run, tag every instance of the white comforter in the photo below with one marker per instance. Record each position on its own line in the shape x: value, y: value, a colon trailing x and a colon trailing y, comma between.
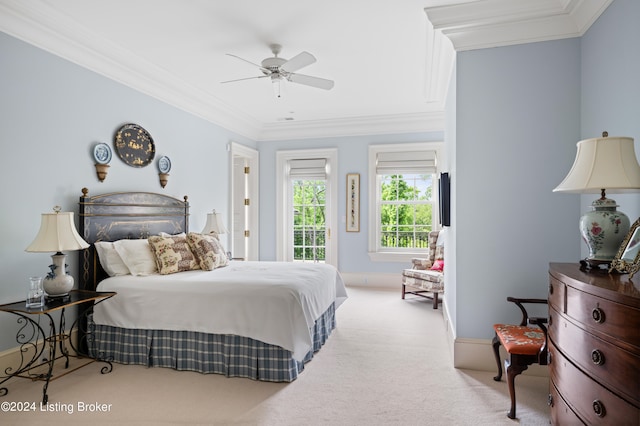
x: 274, y: 302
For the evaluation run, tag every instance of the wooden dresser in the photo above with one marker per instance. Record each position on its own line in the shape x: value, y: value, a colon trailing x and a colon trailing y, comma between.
x: 594, y: 347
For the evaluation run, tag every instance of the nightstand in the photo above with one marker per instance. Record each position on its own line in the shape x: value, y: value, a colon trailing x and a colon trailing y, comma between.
x: 33, y: 340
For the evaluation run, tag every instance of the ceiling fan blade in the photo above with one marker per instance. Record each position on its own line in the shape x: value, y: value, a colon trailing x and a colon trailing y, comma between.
x: 263, y: 69
x: 247, y: 78
x: 320, y: 83
x: 299, y: 61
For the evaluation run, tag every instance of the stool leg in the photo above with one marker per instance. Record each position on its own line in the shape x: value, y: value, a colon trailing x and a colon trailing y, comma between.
x: 514, y: 367
x: 496, y: 353
x: 403, y: 290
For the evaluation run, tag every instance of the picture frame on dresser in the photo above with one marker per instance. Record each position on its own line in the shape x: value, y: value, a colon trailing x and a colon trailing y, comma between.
x: 627, y: 259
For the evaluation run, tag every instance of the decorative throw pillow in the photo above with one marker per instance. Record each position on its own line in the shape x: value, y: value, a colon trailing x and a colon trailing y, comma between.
x: 438, y: 265
x: 110, y: 260
x: 204, y: 251
x: 223, y: 260
x: 137, y: 255
x: 172, y: 254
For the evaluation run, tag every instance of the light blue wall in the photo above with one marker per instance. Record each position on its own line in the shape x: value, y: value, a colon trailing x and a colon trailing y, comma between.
x: 353, y: 157
x: 52, y: 112
x: 611, y: 86
x: 517, y: 122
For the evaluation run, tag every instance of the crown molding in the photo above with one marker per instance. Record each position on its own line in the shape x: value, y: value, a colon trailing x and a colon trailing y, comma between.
x: 56, y: 33
x: 481, y: 24
x: 358, y: 126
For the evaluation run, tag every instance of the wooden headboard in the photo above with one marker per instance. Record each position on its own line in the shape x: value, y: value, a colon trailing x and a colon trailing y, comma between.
x: 120, y: 215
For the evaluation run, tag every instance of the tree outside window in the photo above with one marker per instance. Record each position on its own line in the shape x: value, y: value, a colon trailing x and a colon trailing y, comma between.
x: 309, y: 220
x: 406, y: 210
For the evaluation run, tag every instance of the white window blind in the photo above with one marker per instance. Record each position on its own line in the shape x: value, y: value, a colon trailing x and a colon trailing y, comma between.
x: 311, y: 168
x: 396, y: 162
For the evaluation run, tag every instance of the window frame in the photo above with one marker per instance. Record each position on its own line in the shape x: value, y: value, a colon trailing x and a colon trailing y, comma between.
x: 385, y: 254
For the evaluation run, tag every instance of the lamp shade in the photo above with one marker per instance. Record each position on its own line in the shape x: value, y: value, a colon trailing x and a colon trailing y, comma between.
x: 603, y: 163
x: 57, y: 233
x: 214, y: 224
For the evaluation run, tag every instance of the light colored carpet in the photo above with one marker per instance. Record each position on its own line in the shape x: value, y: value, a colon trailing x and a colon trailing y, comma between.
x: 386, y: 363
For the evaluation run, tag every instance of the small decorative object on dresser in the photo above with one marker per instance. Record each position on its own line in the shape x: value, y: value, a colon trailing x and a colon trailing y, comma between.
x: 102, y: 156
x: 594, y: 347
x: 627, y: 259
x: 603, y: 164
x: 57, y: 233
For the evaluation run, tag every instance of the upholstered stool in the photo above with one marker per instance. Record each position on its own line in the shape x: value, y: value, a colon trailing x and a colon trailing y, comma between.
x: 525, y: 345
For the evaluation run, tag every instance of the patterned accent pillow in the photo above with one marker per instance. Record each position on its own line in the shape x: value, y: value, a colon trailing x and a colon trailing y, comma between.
x: 172, y: 254
x: 223, y: 260
x: 204, y: 250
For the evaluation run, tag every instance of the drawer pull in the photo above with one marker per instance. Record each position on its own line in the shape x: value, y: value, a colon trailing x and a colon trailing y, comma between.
x: 598, y: 408
x: 598, y: 315
x: 550, y: 288
x: 597, y: 357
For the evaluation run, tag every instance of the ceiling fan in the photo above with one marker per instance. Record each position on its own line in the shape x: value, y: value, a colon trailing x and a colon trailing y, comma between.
x: 280, y: 69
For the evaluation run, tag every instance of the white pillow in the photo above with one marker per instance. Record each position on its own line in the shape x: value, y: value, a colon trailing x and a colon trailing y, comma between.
x: 110, y: 259
x: 137, y: 255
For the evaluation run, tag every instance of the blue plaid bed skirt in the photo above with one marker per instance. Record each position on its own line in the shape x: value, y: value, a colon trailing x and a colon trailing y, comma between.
x: 231, y: 355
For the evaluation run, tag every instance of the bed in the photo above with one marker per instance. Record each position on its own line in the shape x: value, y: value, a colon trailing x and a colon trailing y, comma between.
x: 259, y: 320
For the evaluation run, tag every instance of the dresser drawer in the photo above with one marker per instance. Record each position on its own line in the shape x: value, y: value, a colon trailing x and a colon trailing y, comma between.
x: 557, y: 294
x: 561, y: 415
x: 593, y: 403
x: 605, y: 317
x: 611, y: 366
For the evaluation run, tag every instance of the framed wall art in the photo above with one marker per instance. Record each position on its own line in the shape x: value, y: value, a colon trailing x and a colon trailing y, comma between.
x: 353, y: 202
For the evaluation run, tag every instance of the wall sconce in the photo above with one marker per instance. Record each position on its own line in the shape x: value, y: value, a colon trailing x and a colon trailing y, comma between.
x: 164, y: 166
x: 102, y: 156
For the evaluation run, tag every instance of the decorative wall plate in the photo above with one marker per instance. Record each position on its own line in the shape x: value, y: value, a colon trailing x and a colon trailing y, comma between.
x: 134, y: 145
x: 102, y: 153
x: 164, y: 164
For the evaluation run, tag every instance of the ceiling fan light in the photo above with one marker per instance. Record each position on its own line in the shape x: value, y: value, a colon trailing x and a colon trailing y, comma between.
x: 277, y: 82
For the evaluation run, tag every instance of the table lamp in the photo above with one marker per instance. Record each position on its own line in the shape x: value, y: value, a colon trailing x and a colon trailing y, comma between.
x: 603, y: 164
x: 214, y: 224
x: 57, y: 233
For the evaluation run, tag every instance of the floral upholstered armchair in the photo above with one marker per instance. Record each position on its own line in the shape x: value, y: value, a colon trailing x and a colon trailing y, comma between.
x: 426, y: 276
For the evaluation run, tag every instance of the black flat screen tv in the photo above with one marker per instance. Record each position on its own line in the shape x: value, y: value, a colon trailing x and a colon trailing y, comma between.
x: 444, y: 199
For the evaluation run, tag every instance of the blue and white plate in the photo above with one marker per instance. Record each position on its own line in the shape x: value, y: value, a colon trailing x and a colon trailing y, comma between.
x: 164, y: 164
x: 102, y: 153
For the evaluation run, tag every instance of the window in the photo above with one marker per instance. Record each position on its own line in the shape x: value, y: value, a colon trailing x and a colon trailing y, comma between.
x: 403, y: 200
x: 305, y: 212
x: 309, y: 224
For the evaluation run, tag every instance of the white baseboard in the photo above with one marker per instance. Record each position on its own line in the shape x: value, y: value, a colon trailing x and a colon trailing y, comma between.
x: 374, y: 280
x: 477, y: 354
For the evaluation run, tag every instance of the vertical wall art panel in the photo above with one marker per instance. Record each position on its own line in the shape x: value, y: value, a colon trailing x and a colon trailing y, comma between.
x: 353, y: 202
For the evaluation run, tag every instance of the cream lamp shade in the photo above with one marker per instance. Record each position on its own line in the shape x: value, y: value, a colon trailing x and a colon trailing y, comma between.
x: 214, y: 224
x: 57, y: 234
x: 603, y: 164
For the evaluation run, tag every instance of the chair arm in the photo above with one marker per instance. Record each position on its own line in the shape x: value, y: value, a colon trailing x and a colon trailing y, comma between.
x: 542, y: 355
x: 519, y: 302
x: 421, y: 263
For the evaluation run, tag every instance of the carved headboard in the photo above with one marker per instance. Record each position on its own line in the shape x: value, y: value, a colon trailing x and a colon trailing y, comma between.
x: 120, y: 215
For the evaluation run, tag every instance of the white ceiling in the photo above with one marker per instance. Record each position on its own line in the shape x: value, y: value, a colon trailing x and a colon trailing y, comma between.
x: 388, y: 58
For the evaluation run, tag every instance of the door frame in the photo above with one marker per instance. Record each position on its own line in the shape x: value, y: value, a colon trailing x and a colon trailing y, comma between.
x: 252, y: 158
x: 284, y: 225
